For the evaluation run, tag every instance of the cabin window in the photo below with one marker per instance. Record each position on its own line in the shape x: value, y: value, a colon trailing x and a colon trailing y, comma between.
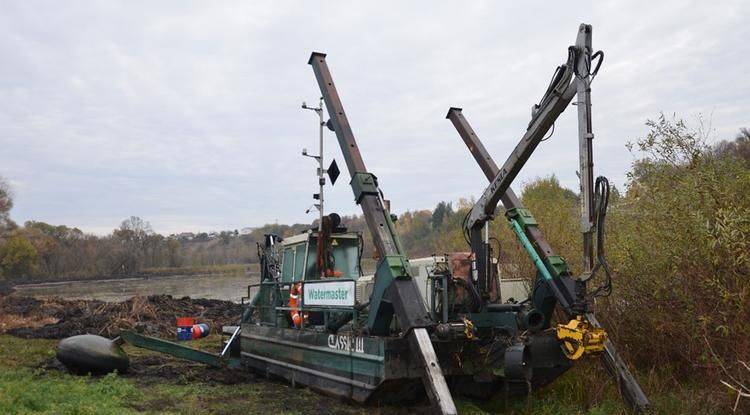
x: 287, y: 265
x: 312, y: 260
x: 299, y: 262
x: 346, y: 256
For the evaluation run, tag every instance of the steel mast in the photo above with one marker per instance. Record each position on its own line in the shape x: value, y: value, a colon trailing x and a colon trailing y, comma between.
x: 319, y: 158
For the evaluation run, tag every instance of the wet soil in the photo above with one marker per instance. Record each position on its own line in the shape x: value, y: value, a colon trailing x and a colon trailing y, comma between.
x: 156, y: 368
x: 153, y: 368
x: 57, y: 318
x: 6, y: 287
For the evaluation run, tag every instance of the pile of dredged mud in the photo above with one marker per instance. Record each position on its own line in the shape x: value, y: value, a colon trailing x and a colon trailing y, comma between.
x: 56, y: 318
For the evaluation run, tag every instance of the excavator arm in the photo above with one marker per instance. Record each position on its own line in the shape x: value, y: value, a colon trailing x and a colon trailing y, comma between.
x: 560, y: 92
x: 569, y: 293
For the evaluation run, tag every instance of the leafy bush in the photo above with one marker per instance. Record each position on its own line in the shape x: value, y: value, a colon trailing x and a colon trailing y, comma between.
x: 18, y: 257
x: 680, y: 245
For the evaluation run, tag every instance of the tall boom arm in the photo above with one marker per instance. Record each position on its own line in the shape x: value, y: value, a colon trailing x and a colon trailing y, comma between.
x: 585, y: 138
x: 559, y: 94
x: 364, y: 184
x: 499, y: 190
x: 395, y: 292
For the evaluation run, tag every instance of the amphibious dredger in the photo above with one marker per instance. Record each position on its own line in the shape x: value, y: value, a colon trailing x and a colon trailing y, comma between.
x: 314, y: 319
x: 439, y: 328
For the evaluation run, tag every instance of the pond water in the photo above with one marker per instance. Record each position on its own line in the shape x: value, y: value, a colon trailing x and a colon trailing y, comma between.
x: 220, y: 287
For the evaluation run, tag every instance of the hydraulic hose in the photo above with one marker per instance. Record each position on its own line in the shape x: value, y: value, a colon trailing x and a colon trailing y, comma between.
x: 601, y: 197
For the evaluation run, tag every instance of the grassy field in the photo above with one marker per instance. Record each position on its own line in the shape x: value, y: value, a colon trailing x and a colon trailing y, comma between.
x: 29, y: 383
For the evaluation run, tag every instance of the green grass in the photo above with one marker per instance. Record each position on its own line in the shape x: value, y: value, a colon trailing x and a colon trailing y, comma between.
x: 18, y: 353
x: 27, y: 388
x: 25, y: 391
x: 24, y: 388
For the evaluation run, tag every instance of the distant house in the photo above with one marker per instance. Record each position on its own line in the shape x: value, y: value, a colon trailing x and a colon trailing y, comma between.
x: 213, y: 235
x: 186, y: 236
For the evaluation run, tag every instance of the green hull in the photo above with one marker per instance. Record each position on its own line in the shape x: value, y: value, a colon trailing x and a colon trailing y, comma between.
x: 370, y: 369
x: 356, y: 367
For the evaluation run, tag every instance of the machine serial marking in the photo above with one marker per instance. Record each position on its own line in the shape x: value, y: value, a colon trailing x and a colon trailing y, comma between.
x: 346, y: 343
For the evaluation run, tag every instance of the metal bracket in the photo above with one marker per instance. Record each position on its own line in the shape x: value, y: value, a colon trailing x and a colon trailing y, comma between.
x: 363, y: 184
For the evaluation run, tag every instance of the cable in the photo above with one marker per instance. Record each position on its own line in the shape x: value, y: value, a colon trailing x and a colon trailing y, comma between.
x: 557, y: 77
x: 550, y: 134
x: 463, y: 226
x: 599, y: 54
x: 601, y: 196
x: 499, y: 246
x: 587, y: 59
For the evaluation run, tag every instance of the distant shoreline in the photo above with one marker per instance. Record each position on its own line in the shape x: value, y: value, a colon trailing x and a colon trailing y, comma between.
x: 61, y: 282
x: 146, y: 274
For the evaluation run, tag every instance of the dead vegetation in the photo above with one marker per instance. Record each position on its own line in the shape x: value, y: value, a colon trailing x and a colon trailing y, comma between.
x: 56, y: 318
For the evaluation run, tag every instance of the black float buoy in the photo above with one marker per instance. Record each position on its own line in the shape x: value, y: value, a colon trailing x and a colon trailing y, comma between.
x: 89, y: 353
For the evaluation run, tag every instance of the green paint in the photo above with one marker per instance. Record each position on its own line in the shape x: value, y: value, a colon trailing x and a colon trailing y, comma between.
x: 558, y: 265
x: 523, y: 216
x: 391, y: 267
x: 530, y: 249
x: 177, y: 350
x: 319, y: 351
x: 396, y: 237
x: 554, y: 263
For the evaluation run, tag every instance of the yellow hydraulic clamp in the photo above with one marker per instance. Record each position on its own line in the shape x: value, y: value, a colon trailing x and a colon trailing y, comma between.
x: 579, y: 337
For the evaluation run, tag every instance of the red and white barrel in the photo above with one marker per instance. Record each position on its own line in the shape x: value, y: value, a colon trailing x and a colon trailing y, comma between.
x: 200, y: 330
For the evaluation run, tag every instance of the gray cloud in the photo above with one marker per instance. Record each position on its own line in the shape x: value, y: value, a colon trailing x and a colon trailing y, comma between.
x: 187, y: 114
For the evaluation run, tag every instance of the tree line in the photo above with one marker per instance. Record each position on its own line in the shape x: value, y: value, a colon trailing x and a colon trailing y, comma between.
x: 38, y: 251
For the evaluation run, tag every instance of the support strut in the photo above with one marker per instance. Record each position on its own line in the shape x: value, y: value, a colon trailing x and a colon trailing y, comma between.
x: 585, y: 138
x: 563, y: 286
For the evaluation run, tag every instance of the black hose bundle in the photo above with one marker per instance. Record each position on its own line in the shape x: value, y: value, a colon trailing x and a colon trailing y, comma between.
x: 601, y: 197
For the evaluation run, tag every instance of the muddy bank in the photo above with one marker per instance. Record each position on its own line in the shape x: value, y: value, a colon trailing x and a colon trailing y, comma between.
x: 151, y: 368
x: 6, y: 288
x: 56, y: 318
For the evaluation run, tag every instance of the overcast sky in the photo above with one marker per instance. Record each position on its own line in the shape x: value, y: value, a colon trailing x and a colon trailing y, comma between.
x: 188, y: 114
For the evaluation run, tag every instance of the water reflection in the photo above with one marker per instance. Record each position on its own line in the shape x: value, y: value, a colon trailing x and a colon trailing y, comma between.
x: 220, y: 287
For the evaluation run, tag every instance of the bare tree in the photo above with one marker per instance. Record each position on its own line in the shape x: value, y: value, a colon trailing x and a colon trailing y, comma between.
x: 739, y: 148
x: 6, y: 204
x: 134, y: 235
